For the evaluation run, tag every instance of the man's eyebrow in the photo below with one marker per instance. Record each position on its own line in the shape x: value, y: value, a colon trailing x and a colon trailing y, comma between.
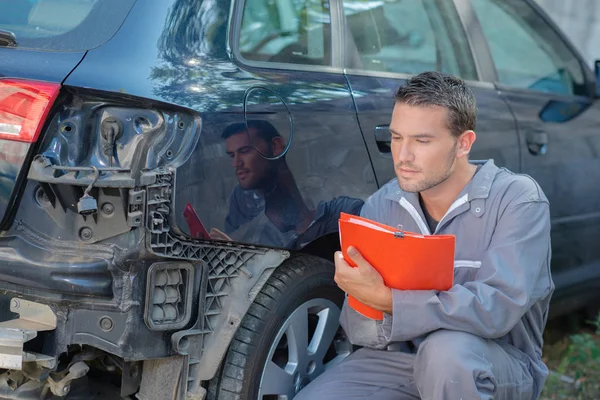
x: 248, y: 146
x: 423, y: 135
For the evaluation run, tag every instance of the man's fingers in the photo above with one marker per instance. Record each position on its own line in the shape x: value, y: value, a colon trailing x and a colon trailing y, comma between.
x: 218, y: 235
x: 339, y: 262
x: 341, y: 265
x: 338, y: 258
x: 355, y: 255
x: 358, y: 258
x: 343, y: 270
x: 364, y: 267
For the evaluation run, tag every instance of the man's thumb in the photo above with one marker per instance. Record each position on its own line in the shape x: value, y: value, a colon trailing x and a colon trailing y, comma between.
x: 356, y: 256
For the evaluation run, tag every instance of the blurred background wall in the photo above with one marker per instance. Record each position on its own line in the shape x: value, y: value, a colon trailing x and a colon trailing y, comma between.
x: 580, y: 20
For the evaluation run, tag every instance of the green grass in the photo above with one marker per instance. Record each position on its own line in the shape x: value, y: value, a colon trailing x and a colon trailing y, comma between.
x: 574, y: 362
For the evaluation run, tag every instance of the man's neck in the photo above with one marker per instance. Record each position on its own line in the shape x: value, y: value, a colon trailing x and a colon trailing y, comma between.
x: 438, y: 199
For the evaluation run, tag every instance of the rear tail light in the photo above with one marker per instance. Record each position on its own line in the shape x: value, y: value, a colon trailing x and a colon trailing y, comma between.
x: 24, y: 106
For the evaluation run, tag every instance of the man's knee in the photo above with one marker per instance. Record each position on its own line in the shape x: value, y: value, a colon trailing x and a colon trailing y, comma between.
x: 452, y: 364
x: 450, y: 355
x: 324, y: 387
x: 305, y: 394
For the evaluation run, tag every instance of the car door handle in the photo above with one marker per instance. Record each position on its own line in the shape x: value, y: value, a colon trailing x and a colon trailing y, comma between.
x: 537, y: 142
x: 383, y: 138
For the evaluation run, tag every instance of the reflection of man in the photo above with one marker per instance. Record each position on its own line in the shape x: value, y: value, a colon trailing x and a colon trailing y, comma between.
x: 482, y: 338
x: 267, y: 206
x: 250, y: 151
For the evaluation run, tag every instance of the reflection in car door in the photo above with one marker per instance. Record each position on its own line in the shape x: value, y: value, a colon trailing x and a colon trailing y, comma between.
x: 547, y: 87
x: 387, y: 42
x: 283, y: 155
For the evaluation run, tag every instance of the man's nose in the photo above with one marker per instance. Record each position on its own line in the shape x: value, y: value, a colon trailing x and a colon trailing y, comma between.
x: 405, y: 153
x: 236, y: 160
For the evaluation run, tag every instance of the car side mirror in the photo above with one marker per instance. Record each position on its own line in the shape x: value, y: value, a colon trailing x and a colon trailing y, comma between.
x: 597, y: 75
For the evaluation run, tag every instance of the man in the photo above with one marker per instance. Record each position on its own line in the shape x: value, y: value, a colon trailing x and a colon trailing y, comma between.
x: 481, y: 339
x: 267, y: 206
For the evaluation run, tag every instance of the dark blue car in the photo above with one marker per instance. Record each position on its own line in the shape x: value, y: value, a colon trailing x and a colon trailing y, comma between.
x: 172, y: 173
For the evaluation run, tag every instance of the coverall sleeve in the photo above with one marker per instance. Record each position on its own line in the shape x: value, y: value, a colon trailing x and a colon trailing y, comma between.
x: 514, y: 274
x: 363, y: 331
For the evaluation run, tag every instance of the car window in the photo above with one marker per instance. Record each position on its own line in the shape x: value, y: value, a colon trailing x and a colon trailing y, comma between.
x: 406, y: 36
x: 527, y: 52
x: 63, y: 25
x: 286, y: 31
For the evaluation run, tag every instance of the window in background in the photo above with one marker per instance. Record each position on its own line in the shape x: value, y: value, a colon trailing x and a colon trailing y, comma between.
x: 527, y: 53
x: 407, y: 36
x: 286, y: 31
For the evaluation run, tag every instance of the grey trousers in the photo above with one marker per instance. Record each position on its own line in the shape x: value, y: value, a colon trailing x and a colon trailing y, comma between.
x: 448, y: 365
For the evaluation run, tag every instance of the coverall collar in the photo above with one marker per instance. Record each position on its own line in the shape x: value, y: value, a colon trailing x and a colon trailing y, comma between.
x: 478, y: 188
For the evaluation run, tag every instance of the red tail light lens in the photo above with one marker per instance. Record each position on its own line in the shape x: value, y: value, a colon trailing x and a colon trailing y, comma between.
x: 24, y: 106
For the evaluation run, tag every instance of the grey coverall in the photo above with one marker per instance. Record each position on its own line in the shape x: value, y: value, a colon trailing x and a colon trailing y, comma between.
x: 481, y: 339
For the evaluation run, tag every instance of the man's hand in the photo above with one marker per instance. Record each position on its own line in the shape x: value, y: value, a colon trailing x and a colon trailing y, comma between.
x: 216, y: 234
x: 364, y: 282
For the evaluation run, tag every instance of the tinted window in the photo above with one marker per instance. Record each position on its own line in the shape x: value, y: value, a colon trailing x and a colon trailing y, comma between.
x: 527, y: 53
x: 407, y: 36
x: 286, y: 31
x: 63, y: 25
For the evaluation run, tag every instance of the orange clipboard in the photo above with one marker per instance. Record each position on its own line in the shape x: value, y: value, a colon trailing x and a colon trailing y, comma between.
x: 405, y: 260
x: 197, y: 229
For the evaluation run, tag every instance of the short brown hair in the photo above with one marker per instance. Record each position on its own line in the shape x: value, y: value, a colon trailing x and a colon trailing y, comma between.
x: 438, y: 89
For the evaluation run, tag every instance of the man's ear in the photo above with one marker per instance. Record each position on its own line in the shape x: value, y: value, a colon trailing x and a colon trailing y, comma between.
x: 465, y: 142
x: 277, y: 145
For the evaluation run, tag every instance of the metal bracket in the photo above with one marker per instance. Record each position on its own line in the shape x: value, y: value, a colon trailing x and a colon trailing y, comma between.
x: 135, y: 214
x: 33, y: 318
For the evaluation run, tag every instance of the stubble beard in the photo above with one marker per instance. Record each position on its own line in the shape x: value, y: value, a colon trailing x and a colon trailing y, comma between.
x: 430, y: 181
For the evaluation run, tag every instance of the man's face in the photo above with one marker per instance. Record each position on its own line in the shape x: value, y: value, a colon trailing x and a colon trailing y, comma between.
x: 423, y: 148
x: 251, y: 168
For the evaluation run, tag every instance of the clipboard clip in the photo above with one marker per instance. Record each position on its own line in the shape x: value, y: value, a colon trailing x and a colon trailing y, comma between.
x: 400, y: 233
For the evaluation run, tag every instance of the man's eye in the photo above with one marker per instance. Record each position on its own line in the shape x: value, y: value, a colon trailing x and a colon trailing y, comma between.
x: 396, y: 137
x: 422, y: 141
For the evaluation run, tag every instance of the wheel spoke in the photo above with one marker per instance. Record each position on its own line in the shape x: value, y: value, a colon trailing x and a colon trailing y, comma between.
x: 304, y: 361
x: 297, y: 335
x: 276, y: 380
x: 325, y: 332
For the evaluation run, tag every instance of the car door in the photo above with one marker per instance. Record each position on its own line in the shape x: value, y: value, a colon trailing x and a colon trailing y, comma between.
x: 550, y: 91
x: 386, y: 42
x: 282, y: 155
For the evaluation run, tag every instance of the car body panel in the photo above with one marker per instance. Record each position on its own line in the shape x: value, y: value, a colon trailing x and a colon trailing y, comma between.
x: 226, y: 166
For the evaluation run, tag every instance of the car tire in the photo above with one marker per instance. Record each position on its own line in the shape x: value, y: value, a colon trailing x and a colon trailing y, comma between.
x: 267, y: 356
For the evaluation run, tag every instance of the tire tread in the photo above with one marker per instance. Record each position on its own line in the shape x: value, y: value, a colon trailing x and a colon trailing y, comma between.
x: 228, y: 384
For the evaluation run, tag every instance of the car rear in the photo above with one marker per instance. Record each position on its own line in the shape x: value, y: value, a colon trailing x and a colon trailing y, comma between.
x: 68, y: 210
x: 97, y: 114
x: 95, y: 280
